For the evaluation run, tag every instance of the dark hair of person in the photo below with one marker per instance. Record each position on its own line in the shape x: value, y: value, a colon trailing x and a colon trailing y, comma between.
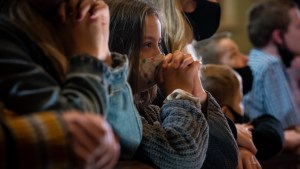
x: 265, y: 17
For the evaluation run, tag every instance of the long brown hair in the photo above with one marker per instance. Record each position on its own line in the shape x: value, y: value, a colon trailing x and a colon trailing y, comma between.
x: 126, y: 32
x: 39, y: 29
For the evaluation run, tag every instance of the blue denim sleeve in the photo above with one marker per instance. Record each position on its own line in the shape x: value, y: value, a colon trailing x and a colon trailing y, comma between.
x: 122, y: 114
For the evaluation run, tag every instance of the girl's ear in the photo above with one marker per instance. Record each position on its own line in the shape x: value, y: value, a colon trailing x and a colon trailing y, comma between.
x: 277, y: 36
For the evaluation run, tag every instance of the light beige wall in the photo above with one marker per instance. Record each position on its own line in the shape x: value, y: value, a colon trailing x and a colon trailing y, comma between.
x: 234, y: 18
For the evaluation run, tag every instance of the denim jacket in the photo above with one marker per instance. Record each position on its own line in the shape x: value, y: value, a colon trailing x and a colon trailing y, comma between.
x: 122, y: 113
x: 29, y: 82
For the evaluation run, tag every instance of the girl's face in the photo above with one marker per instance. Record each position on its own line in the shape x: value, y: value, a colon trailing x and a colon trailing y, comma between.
x: 150, y: 53
x: 151, y: 38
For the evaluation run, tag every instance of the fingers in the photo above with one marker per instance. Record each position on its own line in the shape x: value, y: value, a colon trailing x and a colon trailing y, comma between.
x: 167, y: 60
x: 81, y: 153
x: 188, y: 59
x: 72, y: 6
x: 247, y: 160
x: 240, y: 163
x: 107, y: 153
x: 197, y: 65
x: 177, y: 72
x: 178, y: 60
x: 248, y: 126
x: 244, y: 138
x: 69, y: 8
x: 62, y: 13
x: 93, y: 141
x: 93, y: 9
x: 106, y: 161
x: 193, y: 69
x: 83, y: 9
x: 255, y: 162
x: 97, y: 9
x: 82, y: 133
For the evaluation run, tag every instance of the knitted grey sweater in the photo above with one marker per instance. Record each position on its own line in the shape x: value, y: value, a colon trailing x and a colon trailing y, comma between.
x: 176, y: 136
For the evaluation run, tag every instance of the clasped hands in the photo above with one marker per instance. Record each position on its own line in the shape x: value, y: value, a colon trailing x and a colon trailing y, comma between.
x: 85, y: 28
x: 247, y: 149
x: 180, y: 71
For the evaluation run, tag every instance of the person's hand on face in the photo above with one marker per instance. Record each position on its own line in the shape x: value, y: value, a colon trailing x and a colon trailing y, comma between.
x: 86, y: 27
x: 247, y: 160
x: 179, y: 60
x: 178, y: 72
x: 93, y: 142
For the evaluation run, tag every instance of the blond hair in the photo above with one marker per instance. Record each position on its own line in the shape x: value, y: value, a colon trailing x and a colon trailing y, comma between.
x: 177, y: 31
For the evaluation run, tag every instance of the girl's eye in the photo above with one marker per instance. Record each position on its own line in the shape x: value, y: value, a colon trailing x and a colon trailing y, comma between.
x: 148, y: 45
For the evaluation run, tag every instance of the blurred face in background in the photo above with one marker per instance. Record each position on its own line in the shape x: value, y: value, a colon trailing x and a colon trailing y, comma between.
x: 230, y: 54
x: 292, y: 36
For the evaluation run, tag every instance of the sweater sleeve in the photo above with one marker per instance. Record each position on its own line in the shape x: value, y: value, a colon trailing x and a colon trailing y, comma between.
x: 175, y: 136
x: 33, y: 141
x: 27, y: 84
